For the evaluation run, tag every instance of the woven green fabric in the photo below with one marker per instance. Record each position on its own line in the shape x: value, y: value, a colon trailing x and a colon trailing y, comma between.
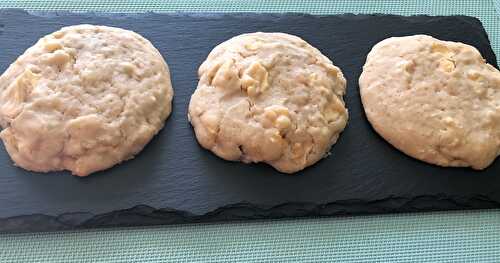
x: 430, y: 237
x: 467, y: 236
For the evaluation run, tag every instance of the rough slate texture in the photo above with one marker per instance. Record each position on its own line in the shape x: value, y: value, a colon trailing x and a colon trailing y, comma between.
x: 364, y: 174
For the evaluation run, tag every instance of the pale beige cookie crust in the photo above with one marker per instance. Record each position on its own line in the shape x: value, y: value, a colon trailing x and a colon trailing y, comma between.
x: 83, y: 99
x: 268, y: 97
x: 437, y: 101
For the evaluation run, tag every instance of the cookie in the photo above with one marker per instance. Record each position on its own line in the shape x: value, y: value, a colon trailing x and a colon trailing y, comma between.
x: 268, y: 97
x: 83, y: 99
x: 437, y: 101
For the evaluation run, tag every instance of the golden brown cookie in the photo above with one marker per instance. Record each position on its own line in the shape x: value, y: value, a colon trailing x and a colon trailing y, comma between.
x: 437, y: 101
x: 83, y: 99
x: 268, y: 97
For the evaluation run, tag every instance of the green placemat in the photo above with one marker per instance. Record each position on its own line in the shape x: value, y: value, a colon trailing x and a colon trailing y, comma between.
x: 430, y: 237
x: 466, y: 236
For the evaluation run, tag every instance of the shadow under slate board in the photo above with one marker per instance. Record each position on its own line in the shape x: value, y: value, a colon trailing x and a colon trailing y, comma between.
x: 174, y: 180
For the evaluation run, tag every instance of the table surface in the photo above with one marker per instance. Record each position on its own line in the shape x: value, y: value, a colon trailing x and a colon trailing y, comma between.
x: 458, y: 236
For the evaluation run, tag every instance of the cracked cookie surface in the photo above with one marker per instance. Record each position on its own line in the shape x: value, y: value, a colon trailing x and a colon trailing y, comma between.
x: 268, y: 97
x: 437, y: 101
x: 83, y: 99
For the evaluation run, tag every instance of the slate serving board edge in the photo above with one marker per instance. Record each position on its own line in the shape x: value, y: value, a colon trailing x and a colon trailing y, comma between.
x: 142, y: 215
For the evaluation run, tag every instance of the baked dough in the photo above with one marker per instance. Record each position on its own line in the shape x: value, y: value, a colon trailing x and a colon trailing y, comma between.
x: 83, y: 99
x: 268, y: 97
x: 437, y: 101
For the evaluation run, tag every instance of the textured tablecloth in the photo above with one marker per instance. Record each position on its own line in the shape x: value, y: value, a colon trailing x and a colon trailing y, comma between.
x: 465, y: 236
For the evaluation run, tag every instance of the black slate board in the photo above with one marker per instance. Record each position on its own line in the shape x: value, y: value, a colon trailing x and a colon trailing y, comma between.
x: 176, y: 181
